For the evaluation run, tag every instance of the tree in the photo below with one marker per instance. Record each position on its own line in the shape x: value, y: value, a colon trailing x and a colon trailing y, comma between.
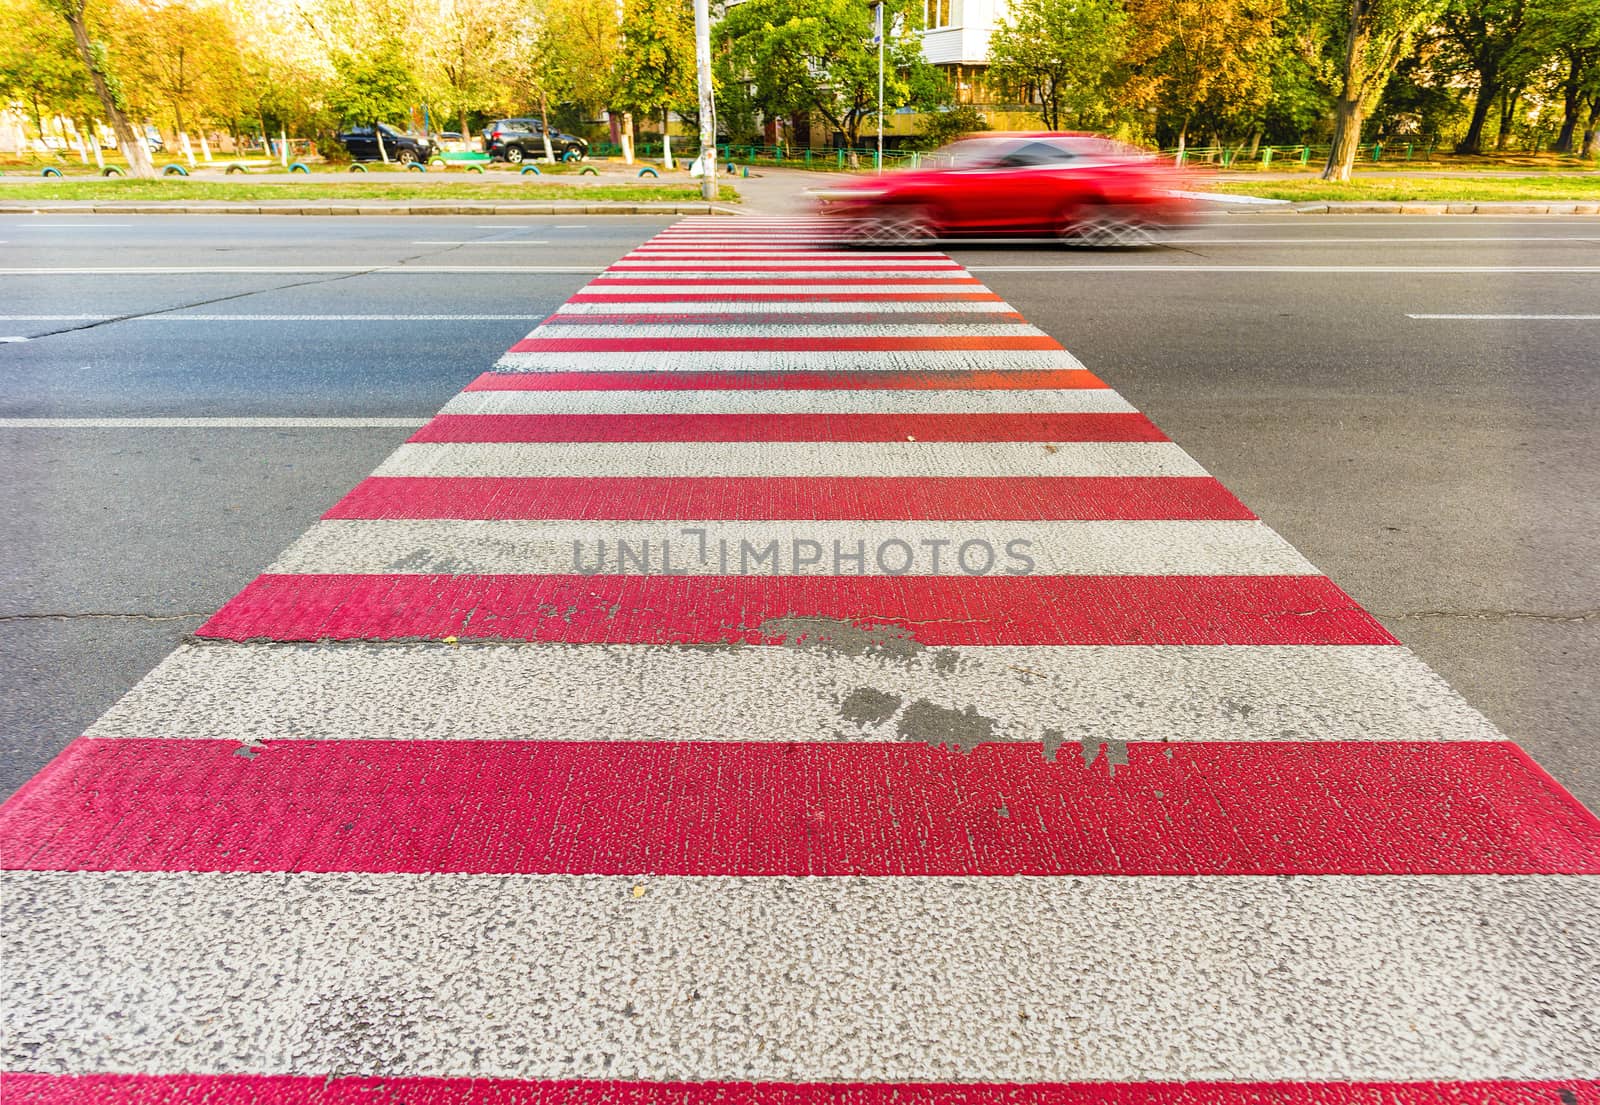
x: 1487, y: 33
x: 797, y: 56
x: 373, y: 86
x: 1575, y: 28
x: 184, y: 56
x: 462, y: 60
x: 1061, y: 51
x: 941, y: 127
x: 39, y: 64
x: 1207, y: 59
x: 1376, y: 36
x: 107, y: 88
x: 656, y: 68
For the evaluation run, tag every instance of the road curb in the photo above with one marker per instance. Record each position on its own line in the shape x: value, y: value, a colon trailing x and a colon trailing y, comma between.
x: 291, y: 207
x: 1421, y: 207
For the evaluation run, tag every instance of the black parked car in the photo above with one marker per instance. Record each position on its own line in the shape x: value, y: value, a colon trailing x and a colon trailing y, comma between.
x: 362, y: 142
x: 516, y: 140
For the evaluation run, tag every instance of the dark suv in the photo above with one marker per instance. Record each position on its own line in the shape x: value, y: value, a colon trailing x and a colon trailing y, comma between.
x: 517, y: 140
x: 362, y: 142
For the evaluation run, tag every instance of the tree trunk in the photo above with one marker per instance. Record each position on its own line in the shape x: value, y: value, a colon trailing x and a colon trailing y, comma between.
x: 1346, y: 139
x: 1508, y: 114
x: 1488, y: 89
x: 139, y: 163
x: 1591, y: 129
x: 1255, y: 144
x: 1571, y: 104
x: 544, y: 125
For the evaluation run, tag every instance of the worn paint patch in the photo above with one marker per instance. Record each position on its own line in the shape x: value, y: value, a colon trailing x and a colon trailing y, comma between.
x: 869, y: 707
x: 961, y: 730
x: 1116, y: 753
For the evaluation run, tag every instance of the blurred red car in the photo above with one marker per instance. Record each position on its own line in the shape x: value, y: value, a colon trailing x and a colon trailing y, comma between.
x: 1078, y: 187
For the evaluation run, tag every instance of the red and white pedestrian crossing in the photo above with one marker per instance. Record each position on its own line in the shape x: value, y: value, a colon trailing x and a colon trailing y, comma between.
x: 789, y: 677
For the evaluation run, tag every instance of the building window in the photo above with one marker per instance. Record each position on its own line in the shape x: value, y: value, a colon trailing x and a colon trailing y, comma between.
x: 936, y: 14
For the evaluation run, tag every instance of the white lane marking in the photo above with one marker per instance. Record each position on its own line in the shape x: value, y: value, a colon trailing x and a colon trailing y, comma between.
x: 278, y: 318
x: 804, y: 307
x: 791, y: 458
x: 799, y: 330
x: 788, y: 285
x: 482, y: 242
x: 930, y: 279
x: 157, y: 423
x: 68, y: 226
x: 1448, y: 270
x: 13, y: 339
x: 1257, y: 977
x: 1510, y: 318
x: 779, y: 401
x: 546, y: 546
x: 692, y: 360
x: 1352, y: 241
x: 489, y: 691
x: 380, y: 269
x: 572, y: 226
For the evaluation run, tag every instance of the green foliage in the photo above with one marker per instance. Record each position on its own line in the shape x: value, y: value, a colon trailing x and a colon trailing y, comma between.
x: 376, y: 86
x: 796, y: 56
x: 39, y: 64
x: 656, y: 68
x: 944, y: 125
x: 1065, y: 53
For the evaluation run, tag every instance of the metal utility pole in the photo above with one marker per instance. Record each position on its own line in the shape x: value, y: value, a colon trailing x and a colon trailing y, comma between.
x: 708, y: 123
x: 879, y: 9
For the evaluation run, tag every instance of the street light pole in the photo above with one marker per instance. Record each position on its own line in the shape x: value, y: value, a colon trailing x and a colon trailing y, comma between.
x: 879, y: 9
x: 708, y: 123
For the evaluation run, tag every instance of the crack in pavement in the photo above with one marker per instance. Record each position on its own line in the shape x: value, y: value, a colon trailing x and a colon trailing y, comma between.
x: 1488, y: 615
x: 68, y: 616
x: 91, y: 324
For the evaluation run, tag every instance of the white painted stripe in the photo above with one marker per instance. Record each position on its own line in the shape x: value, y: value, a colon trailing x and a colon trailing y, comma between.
x: 785, y: 287
x: 30, y: 225
x: 764, y: 978
x: 1511, y: 318
x: 910, y: 360
x: 1355, y: 270
x: 653, y: 252
x: 578, y: 331
x: 279, y: 318
x: 1407, y: 240
x: 781, y: 307
x: 780, y: 401
x: 12, y: 339
x: 271, y: 692
x: 157, y: 423
x: 190, y: 270
x: 482, y: 242
x: 791, y: 458
x: 758, y: 270
x: 556, y: 547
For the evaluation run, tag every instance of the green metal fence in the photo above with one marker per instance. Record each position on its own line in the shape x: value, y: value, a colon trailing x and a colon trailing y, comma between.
x: 1298, y: 156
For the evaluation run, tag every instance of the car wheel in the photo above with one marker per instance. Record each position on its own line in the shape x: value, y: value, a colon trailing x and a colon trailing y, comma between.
x: 514, y: 155
x: 406, y: 157
x: 572, y: 153
x: 896, y: 226
x: 1104, y: 226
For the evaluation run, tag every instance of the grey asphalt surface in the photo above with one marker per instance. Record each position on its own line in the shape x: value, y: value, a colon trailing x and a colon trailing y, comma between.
x: 1441, y: 471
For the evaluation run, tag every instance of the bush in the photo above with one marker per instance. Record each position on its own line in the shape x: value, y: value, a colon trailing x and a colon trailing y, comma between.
x: 946, y: 124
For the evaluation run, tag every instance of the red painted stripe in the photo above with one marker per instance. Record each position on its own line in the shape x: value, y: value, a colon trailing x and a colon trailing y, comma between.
x: 788, y: 297
x: 911, y: 380
x: 781, y: 345
x: 751, y: 498
x: 287, y: 1089
x: 788, y: 427
x: 923, y: 280
x: 763, y: 609
x: 824, y: 809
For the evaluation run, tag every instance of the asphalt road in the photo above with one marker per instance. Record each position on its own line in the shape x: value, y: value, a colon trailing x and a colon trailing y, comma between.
x: 1440, y: 469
